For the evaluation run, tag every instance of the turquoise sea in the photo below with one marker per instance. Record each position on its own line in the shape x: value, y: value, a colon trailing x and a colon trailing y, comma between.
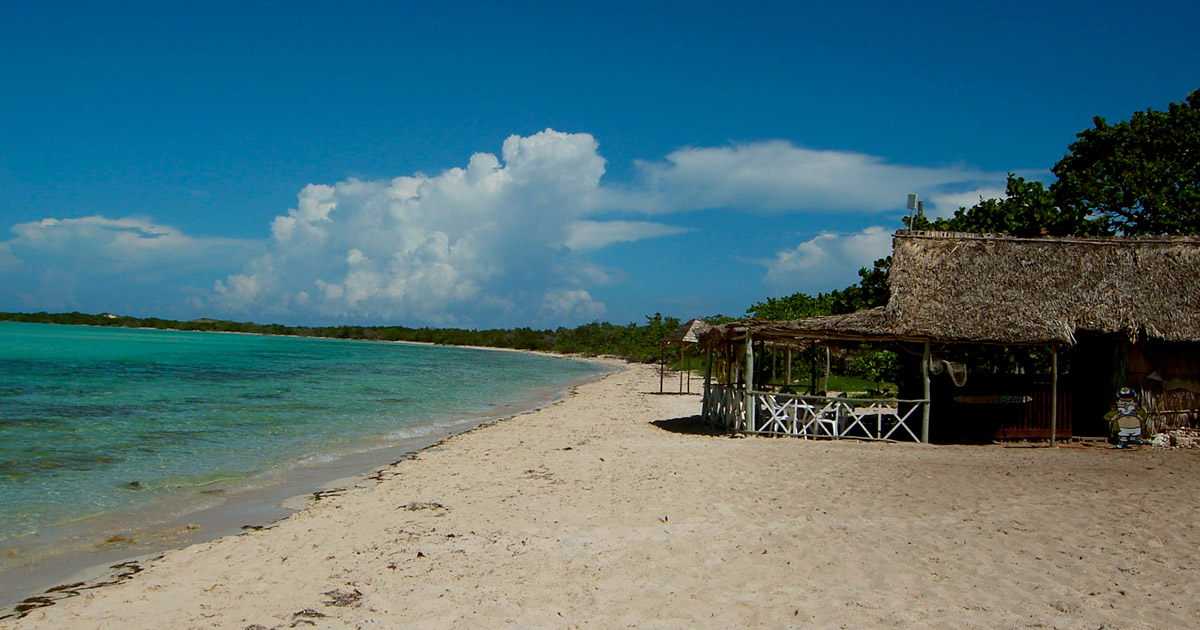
x: 97, y: 422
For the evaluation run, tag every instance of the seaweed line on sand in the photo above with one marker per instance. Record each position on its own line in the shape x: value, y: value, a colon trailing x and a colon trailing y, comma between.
x: 117, y: 573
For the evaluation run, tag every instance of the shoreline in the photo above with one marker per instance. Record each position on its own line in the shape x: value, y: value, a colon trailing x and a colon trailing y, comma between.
x: 615, y: 507
x: 99, y: 547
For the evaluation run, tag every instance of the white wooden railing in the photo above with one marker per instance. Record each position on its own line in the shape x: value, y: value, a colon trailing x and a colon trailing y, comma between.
x: 776, y: 413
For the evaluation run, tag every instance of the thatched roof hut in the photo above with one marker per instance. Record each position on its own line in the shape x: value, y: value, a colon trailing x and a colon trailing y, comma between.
x: 688, y: 333
x: 960, y: 288
x: 686, y: 336
x: 1001, y: 289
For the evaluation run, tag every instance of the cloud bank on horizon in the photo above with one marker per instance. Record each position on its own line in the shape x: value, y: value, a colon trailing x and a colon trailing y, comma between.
x: 506, y: 240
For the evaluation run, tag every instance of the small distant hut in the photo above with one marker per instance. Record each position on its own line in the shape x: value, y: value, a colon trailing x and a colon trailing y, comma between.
x: 1128, y: 309
x: 686, y: 337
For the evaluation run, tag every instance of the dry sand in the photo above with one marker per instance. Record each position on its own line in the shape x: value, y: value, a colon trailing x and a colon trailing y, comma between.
x: 614, y: 509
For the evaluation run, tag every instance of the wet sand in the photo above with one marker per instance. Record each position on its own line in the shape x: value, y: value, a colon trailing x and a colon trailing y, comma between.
x: 616, y: 508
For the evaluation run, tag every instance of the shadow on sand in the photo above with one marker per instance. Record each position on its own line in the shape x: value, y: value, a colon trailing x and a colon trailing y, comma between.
x: 690, y: 425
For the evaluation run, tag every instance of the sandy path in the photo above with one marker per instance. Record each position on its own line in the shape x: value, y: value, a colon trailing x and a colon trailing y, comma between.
x: 588, y: 514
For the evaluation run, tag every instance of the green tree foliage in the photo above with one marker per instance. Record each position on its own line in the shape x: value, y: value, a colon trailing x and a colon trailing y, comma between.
x: 1140, y: 176
x: 1027, y: 209
x: 794, y: 306
x: 871, y: 290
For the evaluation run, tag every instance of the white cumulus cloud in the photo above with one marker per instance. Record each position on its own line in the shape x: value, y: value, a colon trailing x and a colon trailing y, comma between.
x: 574, y: 302
x: 486, y: 243
x: 777, y: 177
x: 829, y: 260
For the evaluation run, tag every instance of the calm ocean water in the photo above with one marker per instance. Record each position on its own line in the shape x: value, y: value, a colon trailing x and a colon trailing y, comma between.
x: 101, y: 420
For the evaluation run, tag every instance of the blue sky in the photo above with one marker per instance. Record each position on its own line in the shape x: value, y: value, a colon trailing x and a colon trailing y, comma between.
x: 510, y: 164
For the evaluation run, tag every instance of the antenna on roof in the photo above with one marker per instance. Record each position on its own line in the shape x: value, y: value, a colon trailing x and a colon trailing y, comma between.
x: 913, y: 204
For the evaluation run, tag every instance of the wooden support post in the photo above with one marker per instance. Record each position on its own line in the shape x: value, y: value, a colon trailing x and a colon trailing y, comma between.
x: 687, y: 367
x: 787, y: 369
x: 749, y: 415
x: 828, y: 361
x: 706, y: 404
x: 925, y: 405
x: 662, y: 365
x: 774, y: 365
x: 1053, y: 394
x: 731, y: 370
x: 812, y: 372
x: 681, y: 370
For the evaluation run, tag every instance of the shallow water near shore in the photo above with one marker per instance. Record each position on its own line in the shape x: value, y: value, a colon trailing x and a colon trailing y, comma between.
x: 118, y: 441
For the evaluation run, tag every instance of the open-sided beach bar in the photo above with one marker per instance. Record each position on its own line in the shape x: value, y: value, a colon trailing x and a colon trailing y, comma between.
x: 735, y: 400
x: 1129, y: 309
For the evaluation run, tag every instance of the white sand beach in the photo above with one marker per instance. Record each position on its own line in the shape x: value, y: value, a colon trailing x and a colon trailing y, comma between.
x: 613, y: 508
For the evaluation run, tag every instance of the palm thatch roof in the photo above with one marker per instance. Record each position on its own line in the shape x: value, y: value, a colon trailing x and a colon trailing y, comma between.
x: 1001, y: 289
x: 688, y: 333
x: 868, y: 324
x: 987, y: 288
